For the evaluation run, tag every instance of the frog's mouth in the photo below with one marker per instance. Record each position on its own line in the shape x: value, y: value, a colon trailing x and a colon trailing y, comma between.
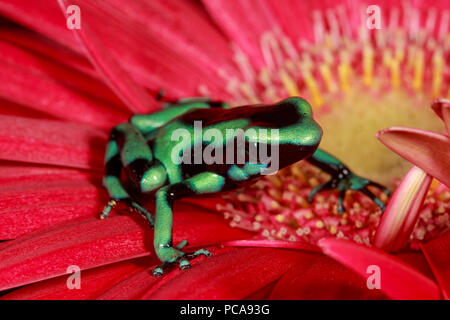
x: 291, y: 153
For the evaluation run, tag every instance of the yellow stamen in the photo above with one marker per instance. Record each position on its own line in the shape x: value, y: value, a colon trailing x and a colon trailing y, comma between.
x: 344, y: 71
x: 305, y: 66
x: 289, y: 83
x: 368, y: 65
x: 248, y: 91
x: 438, y: 67
x: 328, y: 78
x: 419, y: 62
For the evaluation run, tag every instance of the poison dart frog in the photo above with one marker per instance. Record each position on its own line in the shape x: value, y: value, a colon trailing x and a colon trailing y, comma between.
x: 143, y: 150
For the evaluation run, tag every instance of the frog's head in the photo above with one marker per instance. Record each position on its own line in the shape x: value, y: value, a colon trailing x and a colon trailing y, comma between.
x: 300, y: 138
x: 294, y: 135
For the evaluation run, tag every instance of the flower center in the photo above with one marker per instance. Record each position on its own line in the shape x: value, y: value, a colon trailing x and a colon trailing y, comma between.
x: 357, y: 86
x: 353, y: 120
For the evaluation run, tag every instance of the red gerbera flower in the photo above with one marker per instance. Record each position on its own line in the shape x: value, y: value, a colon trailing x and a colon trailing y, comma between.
x: 62, y: 90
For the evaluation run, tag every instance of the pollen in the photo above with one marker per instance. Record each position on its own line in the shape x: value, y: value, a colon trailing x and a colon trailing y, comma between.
x: 309, y: 222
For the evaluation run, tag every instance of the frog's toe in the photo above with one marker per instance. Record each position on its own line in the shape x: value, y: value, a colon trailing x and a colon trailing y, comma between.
x: 197, y: 253
x: 158, y: 271
x: 184, y: 264
x: 374, y: 198
x: 177, y: 256
x: 326, y: 186
x: 183, y: 261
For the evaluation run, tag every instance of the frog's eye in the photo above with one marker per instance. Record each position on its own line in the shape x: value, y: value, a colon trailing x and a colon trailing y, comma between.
x: 301, y: 105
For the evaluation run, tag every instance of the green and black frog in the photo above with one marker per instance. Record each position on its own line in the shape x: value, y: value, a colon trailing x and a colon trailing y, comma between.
x: 142, y: 150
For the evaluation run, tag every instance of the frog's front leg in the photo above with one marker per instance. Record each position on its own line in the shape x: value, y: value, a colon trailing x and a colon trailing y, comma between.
x: 202, y: 183
x: 342, y: 179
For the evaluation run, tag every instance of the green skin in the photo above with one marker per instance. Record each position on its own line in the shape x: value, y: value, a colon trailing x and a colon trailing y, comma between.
x: 142, y: 148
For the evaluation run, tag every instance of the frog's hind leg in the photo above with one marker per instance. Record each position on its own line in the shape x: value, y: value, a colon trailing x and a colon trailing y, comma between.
x: 111, y: 179
x: 202, y: 183
x: 128, y: 149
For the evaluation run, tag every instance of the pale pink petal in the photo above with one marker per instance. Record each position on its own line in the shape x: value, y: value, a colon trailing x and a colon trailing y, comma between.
x: 402, y: 212
x: 428, y: 150
x: 442, y: 109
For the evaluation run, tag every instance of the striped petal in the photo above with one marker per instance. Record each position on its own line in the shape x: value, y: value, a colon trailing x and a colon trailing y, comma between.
x: 397, y: 279
x: 403, y: 211
x: 428, y: 150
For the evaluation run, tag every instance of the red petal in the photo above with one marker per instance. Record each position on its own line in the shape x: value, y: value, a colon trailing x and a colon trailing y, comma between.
x: 167, y: 62
x: 28, y: 203
x: 45, y: 68
x: 136, y: 286
x: 438, y: 256
x: 316, y: 276
x: 231, y: 275
x: 93, y: 283
x: 51, y: 142
x: 17, y: 170
x: 398, y: 280
x: 280, y: 244
x: 134, y: 96
x: 263, y: 293
x: 417, y: 260
x: 44, y: 18
x: 93, y: 242
x: 38, y: 44
x: 244, y: 22
x: 13, y: 109
x: 131, y: 288
x: 53, y: 98
x: 427, y: 150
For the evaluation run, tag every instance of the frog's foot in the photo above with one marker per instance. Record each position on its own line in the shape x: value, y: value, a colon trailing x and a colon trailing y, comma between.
x: 107, y: 209
x: 174, y: 255
x: 133, y: 206
x: 346, y: 180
